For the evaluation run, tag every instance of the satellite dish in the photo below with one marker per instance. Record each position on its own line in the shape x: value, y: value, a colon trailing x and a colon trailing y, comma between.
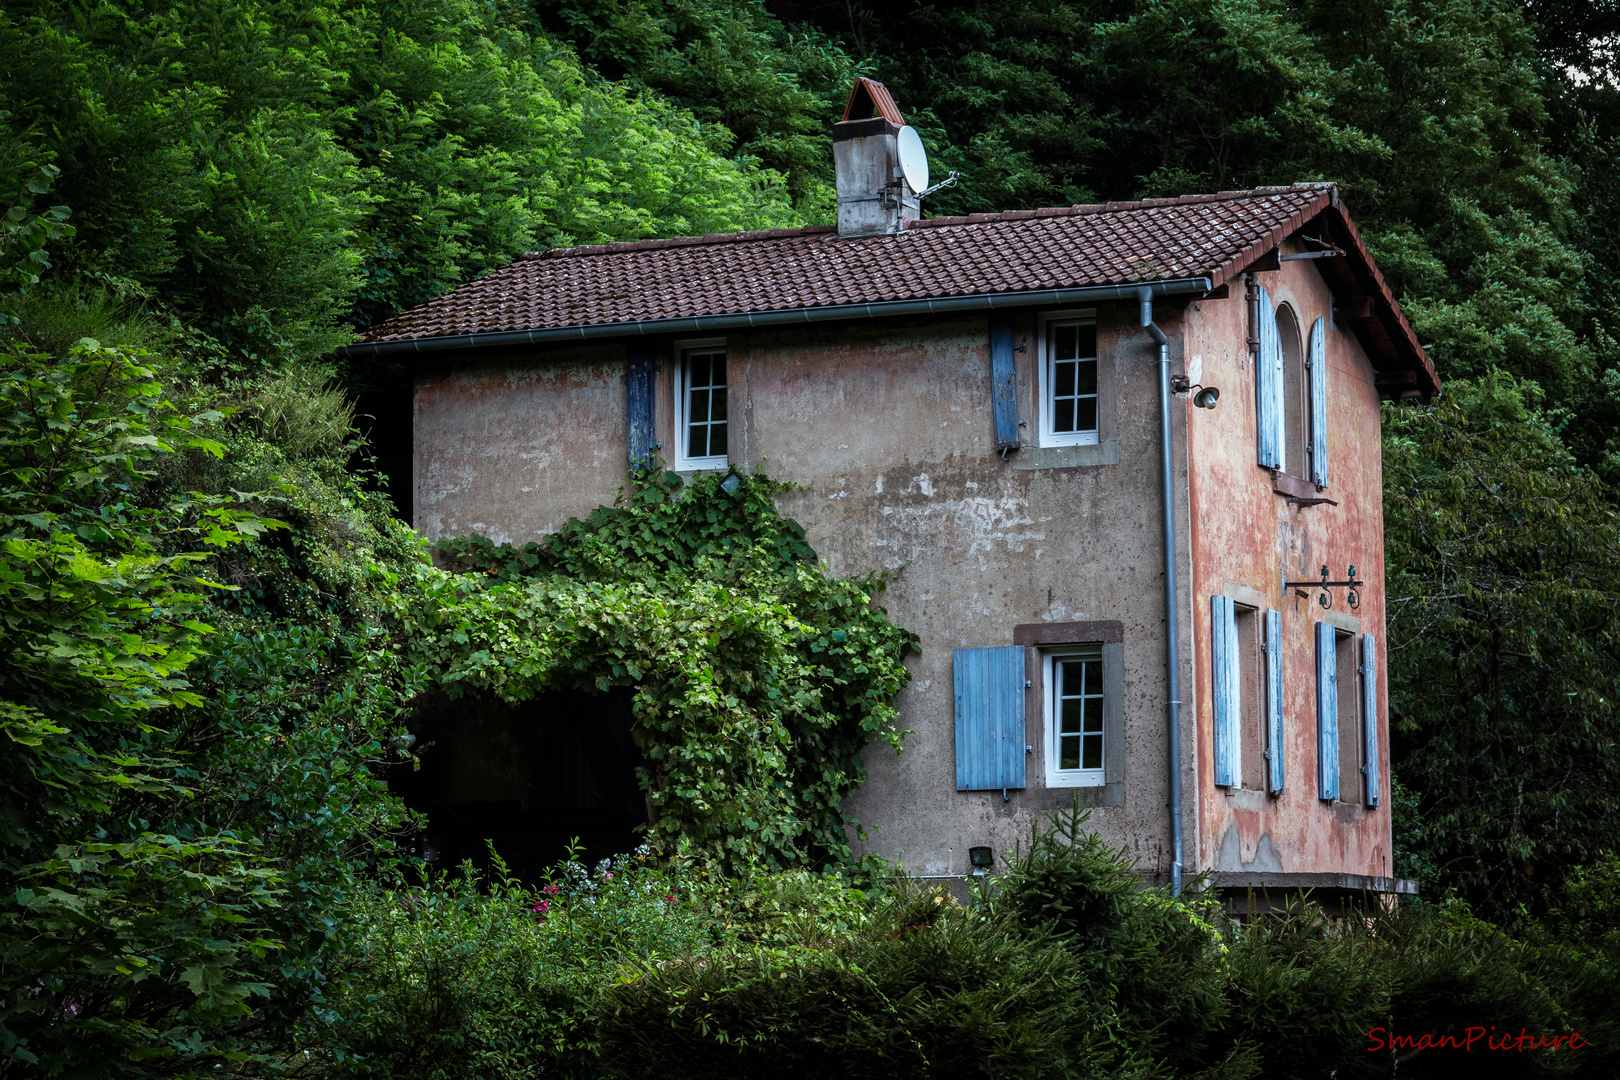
x: 913, y: 158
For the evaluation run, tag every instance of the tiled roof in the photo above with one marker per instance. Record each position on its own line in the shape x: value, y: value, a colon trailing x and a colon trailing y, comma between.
x: 1122, y: 243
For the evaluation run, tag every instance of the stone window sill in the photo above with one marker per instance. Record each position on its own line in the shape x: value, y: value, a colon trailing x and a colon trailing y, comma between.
x: 1066, y: 457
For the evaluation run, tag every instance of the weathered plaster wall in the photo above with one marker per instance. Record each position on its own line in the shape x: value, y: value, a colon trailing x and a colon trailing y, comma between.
x: 887, y: 430
x: 513, y: 446
x: 1245, y: 538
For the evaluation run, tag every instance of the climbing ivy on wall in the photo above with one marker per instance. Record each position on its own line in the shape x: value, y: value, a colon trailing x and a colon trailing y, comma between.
x: 758, y: 677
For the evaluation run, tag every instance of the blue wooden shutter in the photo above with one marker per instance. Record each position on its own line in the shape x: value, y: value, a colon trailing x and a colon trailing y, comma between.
x: 990, y: 718
x: 1327, y: 712
x: 1369, y: 713
x: 1275, y: 752
x: 1268, y: 387
x: 641, y: 380
x: 1227, y: 696
x: 1316, y: 362
x: 1003, y: 380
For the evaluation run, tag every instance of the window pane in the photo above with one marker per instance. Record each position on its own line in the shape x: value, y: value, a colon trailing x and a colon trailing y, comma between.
x: 1063, y: 415
x: 1069, y: 752
x: 1087, y: 344
x: 1086, y: 377
x: 1093, y: 754
x: 1063, y: 384
x: 719, y: 369
x: 1064, y: 343
x: 717, y: 433
x: 697, y: 368
x: 1093, y: 715
x: 699, y: 412
x: 1069, y: 716
x: 717, y: 398
x: 1074, y: 678
x: 1085, y: 414
x: 696, y: 441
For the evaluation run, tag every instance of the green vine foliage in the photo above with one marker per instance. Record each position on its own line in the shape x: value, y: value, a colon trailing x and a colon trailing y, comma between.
x: 758, y: 677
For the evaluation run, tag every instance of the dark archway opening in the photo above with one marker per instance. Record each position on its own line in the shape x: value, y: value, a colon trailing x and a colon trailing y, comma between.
x: 528, y: 777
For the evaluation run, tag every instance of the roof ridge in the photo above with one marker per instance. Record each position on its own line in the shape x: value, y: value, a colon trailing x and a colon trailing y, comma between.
x: 1118, y: 206
x: 1077, y: 210
x: 676, y: 242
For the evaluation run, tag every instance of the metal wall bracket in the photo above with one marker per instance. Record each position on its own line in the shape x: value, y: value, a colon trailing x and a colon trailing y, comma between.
x: 1352, y: 598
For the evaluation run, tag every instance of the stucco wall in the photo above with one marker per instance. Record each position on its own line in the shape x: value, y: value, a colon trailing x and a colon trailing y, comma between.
x: 512, y: 446
x: 1245, y: 538
x: 887, y: 430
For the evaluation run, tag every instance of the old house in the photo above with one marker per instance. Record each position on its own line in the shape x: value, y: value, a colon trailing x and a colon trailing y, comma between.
x: 1107, y: 452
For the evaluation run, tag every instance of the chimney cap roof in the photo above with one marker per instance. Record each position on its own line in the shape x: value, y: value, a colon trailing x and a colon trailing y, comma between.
x: 869, y: 98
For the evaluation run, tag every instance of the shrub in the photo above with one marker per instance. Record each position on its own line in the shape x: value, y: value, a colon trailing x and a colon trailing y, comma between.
x: 1065, y: 968
x: 460, y: 978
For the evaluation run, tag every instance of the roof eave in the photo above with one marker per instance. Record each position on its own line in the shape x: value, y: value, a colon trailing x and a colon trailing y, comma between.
x: 1410, y: 354
x: 801, y: 316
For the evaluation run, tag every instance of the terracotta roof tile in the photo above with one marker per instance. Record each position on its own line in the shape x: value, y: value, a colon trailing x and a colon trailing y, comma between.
x: 1122, y: 243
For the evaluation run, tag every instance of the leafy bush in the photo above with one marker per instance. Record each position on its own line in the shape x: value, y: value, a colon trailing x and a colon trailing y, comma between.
x: 197, y: 672
x: 656, y: 967
x: 132, y: 927
x: 758, y: 677
x: 458, y: 978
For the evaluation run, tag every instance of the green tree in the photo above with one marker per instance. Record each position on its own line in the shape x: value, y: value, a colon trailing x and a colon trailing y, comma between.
x: 1503, y: 632
x: 275, y: 173
x: 774, y: 88
x: 121, y: 937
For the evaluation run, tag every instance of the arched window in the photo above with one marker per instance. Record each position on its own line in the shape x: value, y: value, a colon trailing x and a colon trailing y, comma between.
x: 1296, y: 417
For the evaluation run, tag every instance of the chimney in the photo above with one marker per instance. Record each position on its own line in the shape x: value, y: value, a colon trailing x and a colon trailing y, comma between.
x: 873, y: 196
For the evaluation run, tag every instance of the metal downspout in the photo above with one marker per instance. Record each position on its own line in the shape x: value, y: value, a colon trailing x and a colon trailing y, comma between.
x: 1172, y: 652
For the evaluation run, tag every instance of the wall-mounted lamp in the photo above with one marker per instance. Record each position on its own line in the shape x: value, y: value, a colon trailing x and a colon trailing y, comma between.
x: 1206, y: 397
x: 731, y: 482
x: 982, y: 858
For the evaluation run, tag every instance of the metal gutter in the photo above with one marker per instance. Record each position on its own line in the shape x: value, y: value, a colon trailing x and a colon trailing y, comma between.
x: 751, y: 320
x: 1172, y: 603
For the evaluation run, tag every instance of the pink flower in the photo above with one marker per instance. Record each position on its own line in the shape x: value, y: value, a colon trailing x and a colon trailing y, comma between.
x: 541, y: 907
x: 608, y: 876
x: 550, y: 890
x: 669, y: 899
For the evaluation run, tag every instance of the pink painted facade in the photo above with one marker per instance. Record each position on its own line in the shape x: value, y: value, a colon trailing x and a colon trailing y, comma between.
x: 1246, y: 539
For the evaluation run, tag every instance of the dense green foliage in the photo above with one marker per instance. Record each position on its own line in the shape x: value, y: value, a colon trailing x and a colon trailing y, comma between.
x: 1506, y: 608
x: 1065, y: 968
x: 758, y: 678
x: 135, y: 933
x: 193, y: 684
x: 286, y: 169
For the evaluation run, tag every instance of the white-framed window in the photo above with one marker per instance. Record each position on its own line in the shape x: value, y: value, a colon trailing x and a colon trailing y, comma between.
x: 702, y: 420
x: 1067, y: 378
x: 1076, y: 750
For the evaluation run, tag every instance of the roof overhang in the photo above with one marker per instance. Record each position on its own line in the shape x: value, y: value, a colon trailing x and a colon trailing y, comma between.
x: 802, y: 316
x: 1401, y: 366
